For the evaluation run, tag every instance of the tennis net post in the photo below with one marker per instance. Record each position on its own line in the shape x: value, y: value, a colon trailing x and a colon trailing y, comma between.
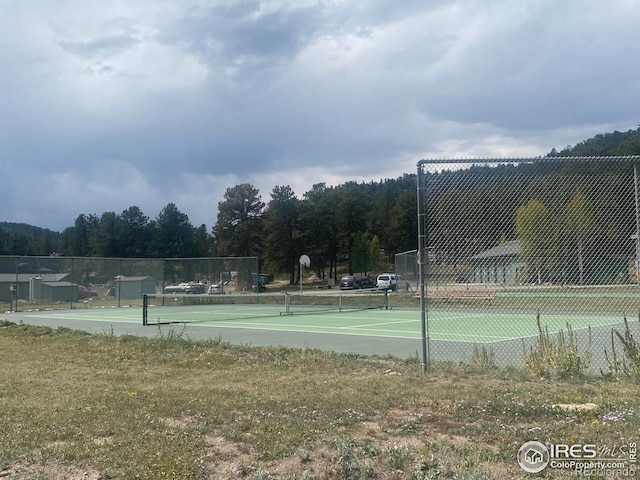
x: 145, y: 303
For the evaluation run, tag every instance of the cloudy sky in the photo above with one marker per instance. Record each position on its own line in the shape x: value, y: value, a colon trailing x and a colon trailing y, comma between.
x: 106, y: 104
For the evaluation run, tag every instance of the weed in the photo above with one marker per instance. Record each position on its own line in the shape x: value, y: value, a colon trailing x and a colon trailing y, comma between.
x: 241, y: 470
x: 108, y: 333
x: 629, y: 364
x: 262, y: 474
x: 370, y: 449
x: 562, y: 358
x: 483, y: 358
x: 43, y: 331
x: 399, y: 456
x: 349, y: 466
x: 304, y: 454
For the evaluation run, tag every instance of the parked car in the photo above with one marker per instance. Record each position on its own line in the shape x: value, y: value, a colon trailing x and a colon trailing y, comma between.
x: 391, y: 281
x: 351, y: 282
x: 215, y: 288
x: 84, y: 292
x: 185, y: 287
x: 195, y: 288
x: 384, y: 281
x: 180, y: 288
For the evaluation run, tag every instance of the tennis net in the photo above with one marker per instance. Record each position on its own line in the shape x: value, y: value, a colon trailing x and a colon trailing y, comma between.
x: 182, y: 308
x: 300, y: 303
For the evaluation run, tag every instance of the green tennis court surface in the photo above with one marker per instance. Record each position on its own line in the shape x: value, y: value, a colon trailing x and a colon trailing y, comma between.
x: 445, y: 325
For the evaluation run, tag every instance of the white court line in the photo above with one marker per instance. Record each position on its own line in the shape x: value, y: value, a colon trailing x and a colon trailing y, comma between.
x: 90, y: 318
x: 383, y: 323
x: 133, y: 316
x: 271, y: 327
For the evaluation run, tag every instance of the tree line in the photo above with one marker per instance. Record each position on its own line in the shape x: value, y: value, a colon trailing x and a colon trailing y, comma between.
x: 361, y: 225
x: 129, y: 234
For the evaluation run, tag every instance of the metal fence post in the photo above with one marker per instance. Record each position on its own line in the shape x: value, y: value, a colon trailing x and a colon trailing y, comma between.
x: 422, y: 245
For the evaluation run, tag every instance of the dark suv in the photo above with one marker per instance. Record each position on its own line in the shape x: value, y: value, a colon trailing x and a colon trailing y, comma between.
x: 352, y: 282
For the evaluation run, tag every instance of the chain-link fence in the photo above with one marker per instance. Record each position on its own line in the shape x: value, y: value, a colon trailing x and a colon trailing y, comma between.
x: 528, y: 262
x: 406, y: 266
x: 28, y: 283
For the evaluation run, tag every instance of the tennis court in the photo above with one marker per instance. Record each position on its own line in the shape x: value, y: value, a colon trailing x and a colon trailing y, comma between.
x: 453, y: 332
x: 447, y: 325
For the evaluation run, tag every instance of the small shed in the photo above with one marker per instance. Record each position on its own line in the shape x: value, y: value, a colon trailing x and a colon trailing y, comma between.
x: 59, y: 291
x: 501, y: 264
x: 133, y: 287
x: 25, y: 284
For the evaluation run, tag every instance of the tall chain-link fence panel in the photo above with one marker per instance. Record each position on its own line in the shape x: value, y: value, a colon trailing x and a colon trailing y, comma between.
x: 406, y: 266
x: 529, y: 262
x: 238, y: 274
x: 55, y: 282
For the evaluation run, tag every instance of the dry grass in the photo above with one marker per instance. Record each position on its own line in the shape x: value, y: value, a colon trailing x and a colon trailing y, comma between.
x: 76, y: 406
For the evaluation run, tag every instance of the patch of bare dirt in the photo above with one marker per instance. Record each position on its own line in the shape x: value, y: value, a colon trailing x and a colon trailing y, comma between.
x: 50, y: 472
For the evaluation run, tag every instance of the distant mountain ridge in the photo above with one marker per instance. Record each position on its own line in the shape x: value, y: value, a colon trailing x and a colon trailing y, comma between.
x: 614, y: 143
x: 30, y: 231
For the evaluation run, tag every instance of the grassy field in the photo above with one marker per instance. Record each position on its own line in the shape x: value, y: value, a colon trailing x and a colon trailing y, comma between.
x: 77, y: 406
